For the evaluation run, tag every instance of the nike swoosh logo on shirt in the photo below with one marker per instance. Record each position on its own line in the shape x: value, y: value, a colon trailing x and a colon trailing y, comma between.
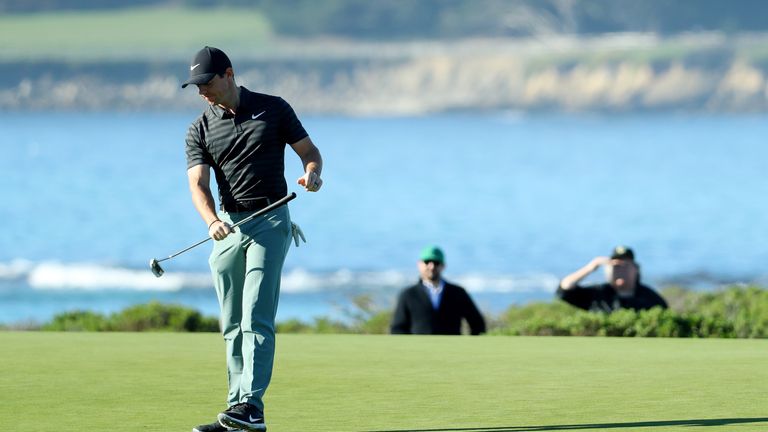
x: 193, y: 67
x: 255, y: 116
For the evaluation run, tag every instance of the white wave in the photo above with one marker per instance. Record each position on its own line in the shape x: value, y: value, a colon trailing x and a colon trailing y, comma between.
x: 52, y: 275
x: 96, y: 277
x: 508, y: 283
x: 16, y: 269
x: 300, y: 280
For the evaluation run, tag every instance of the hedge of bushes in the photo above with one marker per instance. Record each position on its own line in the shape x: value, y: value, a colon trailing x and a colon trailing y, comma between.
x: 734, y: 312
x: 731, y: 312
x: 153, y: 316
x: 553, y: 320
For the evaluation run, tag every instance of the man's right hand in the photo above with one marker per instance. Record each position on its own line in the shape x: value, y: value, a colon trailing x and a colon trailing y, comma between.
x: 219, y: 230
x: 574, y: 278
x: 597, y: 262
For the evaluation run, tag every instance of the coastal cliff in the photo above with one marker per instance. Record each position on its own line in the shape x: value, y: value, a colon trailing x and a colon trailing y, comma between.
x: 408, y: 80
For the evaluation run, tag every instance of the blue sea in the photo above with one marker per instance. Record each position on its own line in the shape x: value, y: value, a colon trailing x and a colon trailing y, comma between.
x: 516, y: 201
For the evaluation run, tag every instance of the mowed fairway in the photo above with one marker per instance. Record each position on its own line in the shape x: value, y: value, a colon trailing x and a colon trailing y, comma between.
x: 133, y: 34
x: 170, y: 382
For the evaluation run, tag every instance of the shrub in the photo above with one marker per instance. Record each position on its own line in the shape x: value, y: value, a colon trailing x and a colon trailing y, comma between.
x: 158, y: 316
x: 151, y: 316
x: 320, y: 325
x: 732, y: 312
x: 77, y: 321
x: 293, y: 326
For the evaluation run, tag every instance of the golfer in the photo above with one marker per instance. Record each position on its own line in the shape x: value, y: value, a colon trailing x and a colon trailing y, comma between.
x: 242, y: 135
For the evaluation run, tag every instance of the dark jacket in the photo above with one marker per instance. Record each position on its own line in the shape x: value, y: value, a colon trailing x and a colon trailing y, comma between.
x: 603, y: 298
x: 415, y: 314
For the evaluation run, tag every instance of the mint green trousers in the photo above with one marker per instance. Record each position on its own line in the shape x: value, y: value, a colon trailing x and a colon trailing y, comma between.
x: 246, y: 268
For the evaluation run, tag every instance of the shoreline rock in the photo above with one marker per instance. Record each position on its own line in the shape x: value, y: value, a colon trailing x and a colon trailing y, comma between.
x: 407, y: 86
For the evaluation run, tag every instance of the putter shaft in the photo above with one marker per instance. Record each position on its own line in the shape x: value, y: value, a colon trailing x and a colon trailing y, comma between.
x: 154, y: 263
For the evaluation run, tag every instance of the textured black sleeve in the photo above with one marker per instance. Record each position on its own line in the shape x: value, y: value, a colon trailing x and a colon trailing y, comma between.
x: 652, y: 298
x: 472, y: 315
x: 291, y: 129
x: 576, y: 296
x: 401, y: 320
x: 195, y: 146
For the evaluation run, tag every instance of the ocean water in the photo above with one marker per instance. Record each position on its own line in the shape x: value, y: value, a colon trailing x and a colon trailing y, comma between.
x: 516, y: 202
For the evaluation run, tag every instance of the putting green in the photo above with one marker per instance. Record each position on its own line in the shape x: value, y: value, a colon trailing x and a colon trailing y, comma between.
x: 171, y: 381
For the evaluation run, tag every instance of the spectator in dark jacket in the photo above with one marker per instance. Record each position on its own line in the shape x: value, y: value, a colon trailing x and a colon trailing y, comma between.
x: 434, y: 306
x: 622, y: 289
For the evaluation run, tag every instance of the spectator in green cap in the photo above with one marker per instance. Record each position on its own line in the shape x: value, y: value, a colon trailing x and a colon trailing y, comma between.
x: 434, y: 306
x: 622, y: 290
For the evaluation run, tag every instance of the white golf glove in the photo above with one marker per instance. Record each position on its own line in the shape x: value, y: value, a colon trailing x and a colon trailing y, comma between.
x: 297, y: 234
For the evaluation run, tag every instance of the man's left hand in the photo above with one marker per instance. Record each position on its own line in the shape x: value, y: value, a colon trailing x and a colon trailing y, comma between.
x: 311, y: 181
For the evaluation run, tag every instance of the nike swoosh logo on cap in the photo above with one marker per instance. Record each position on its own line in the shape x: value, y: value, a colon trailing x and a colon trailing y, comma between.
x: 255, y: 116
x: 193, y: 67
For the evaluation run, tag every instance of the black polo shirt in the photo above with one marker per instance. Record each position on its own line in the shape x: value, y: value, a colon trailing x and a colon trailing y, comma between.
x: 603, y: 298
x: 246, y: 150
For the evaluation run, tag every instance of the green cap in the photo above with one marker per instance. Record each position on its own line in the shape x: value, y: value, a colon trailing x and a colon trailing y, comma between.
x: 432, y: 253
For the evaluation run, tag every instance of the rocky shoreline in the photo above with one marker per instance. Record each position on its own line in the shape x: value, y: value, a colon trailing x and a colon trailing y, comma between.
x: 415, y: 83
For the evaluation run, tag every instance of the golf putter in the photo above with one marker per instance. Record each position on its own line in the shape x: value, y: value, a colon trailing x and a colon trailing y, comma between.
x: 154, y: 263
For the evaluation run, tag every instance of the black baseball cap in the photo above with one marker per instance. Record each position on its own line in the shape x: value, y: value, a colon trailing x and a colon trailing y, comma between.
x: 207, y: 63
x: 623, y: 253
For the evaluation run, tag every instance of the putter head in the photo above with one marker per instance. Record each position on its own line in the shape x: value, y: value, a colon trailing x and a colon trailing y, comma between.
x: 156, y: 269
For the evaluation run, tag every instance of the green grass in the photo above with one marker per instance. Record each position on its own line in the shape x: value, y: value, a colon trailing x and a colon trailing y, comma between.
x: 131, y: 34
x: 170, y: 382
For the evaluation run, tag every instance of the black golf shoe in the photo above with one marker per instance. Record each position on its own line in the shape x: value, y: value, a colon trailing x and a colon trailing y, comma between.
x: 243, y: 416
x: 213, y: 427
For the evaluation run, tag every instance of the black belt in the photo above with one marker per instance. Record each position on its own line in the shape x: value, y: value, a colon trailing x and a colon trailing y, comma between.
x: 250, y: 205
